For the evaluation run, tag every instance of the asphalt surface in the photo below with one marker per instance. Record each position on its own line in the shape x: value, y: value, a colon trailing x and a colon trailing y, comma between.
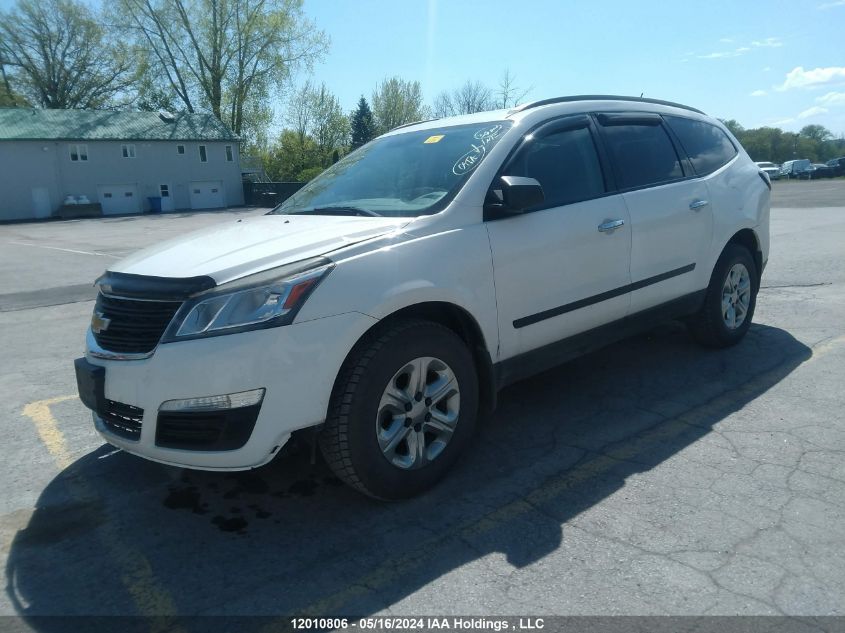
x: 652, y: 477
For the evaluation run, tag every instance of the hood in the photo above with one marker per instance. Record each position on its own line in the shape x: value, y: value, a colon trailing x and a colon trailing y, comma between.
x: 234, y: 249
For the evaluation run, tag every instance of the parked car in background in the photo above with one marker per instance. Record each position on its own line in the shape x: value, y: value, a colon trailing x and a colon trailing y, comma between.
x: 837, y: 166
x: 771, y: 169
x: 794, y: 168
x: 816, y: 171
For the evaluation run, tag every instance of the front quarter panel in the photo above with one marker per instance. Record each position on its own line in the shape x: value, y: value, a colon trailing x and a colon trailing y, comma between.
x: 452, y: 266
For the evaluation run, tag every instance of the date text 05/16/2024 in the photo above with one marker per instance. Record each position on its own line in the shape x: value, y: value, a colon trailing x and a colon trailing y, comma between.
x: 451, y: 623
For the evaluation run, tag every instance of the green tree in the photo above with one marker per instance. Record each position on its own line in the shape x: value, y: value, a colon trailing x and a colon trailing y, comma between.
x: 9, y: 98
x: 152, y: 93
x: 397, y: 102
x: 817, y: 133
x: 362, y: 123
x: 735, y: 128
x: 331, y: 127
x: 291, y: 158
x: 315, y: 115
x: 57, y: 54
x: 224, y: 56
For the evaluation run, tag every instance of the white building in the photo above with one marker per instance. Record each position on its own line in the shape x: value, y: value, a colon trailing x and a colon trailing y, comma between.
x: 117, y: 159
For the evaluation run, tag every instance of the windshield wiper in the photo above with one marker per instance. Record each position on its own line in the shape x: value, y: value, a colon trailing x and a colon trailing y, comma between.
x: 339, y: 210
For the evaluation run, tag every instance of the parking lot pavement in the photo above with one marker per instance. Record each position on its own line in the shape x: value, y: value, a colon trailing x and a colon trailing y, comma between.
x: 799, y: 194
x: 652, y: 477
x: 50, y: 255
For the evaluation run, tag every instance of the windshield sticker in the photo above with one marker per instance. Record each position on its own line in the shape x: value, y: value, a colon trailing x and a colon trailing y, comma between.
x: 470, y: 160
x: 433, y: 139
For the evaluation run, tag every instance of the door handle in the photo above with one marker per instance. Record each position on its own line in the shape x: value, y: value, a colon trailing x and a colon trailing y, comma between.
x: 695, y: 205
x: 609, y: 225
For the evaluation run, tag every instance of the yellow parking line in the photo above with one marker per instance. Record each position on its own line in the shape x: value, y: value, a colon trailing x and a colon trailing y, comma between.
x: 827, y: 346
x: 40, y: 414
x: 137, y: 574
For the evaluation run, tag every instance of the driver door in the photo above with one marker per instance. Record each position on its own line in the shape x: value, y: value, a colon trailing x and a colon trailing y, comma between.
x: 563, y: 267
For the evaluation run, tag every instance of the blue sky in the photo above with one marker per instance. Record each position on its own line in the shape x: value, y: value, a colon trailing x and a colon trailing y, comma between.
x: 773, y: 62
x: 762, y: 63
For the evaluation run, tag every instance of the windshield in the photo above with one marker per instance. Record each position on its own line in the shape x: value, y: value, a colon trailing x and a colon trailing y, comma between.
x: 404, y: 175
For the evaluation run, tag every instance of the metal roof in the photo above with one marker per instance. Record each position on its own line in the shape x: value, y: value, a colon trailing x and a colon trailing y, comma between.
x: 20, y: 124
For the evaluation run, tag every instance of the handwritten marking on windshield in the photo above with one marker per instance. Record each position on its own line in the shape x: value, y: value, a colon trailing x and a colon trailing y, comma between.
x: 470, y: 160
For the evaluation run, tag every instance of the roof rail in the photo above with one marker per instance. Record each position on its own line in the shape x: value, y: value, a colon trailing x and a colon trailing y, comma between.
x: 542, y: 102
x: 399, y: 127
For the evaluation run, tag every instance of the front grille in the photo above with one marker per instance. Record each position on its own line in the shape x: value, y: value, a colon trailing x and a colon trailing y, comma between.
x: 122, y: 419
x: 134, y: 327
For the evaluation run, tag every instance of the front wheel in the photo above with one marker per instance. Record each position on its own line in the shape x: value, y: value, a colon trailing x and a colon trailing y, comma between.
x: 403, y: 409
x: 729, y: 303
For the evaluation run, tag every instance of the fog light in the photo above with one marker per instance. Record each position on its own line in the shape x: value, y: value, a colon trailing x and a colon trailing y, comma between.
x: 215, y: 403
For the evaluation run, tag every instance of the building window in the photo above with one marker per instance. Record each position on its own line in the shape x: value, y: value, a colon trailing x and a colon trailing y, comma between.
x: 203, y: 155
x: 165, y: 191
x: 128, y: 151
x: 229, y: 154
x: 78, y: 153
x: 180, y: 149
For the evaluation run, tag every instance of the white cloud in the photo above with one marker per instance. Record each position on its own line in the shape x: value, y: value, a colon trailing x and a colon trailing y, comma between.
x: 832, y: 99
x: 830, y: 5
x: 811, y: 112
x: 769, y: 42
x: 779, y: 122
x: 800, y: 78
x: 767, y: 69
x: 734, y: 53
x: 758, y: 93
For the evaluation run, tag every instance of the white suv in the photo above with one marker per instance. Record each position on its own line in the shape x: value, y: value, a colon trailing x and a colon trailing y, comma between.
x: 388, y: 300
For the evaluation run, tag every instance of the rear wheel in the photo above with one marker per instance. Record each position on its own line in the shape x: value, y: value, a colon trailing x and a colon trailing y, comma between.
x: 403, y: 409
x: 729, y: 304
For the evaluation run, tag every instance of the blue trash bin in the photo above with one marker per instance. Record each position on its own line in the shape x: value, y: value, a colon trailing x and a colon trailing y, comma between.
x: 155, y: 204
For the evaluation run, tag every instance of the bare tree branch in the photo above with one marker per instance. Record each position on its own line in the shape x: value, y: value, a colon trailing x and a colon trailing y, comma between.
x: 59, y: 56
x: 224, y: 56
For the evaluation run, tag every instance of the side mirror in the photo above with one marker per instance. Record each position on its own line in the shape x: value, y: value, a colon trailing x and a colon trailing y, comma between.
x: 517, y: 194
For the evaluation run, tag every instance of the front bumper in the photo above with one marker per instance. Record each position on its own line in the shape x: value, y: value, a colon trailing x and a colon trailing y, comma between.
x: 296, y: 364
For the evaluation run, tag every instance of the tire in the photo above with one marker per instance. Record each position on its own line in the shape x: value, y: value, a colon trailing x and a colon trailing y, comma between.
x: 363, y: 416
x: 710, y: 326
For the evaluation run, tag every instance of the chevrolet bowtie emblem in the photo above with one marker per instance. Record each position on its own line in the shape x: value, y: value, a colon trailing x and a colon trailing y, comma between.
x: 99, y: 323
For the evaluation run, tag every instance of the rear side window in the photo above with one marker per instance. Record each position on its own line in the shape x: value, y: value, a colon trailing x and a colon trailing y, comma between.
x: 643, y: 154
x: 565, y: 164
x: 707, y: 146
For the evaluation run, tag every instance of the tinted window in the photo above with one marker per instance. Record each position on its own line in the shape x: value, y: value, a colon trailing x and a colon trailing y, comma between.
x: 643, y: 154
x: 707, y: 146
x: 565, y: 164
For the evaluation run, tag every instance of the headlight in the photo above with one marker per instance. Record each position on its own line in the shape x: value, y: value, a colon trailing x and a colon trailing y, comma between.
x: 268, y: 299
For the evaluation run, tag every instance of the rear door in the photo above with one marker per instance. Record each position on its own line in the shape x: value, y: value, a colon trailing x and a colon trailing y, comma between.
x: 560, y: 268
x: 671, y: 215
